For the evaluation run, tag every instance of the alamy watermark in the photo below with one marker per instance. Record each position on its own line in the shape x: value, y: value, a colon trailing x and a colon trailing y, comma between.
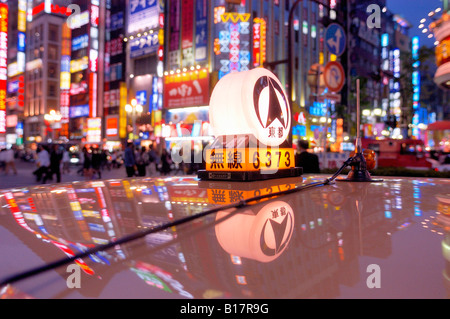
x: 74, y: 279
x: 72, y: 11
x: 374, y: 19
x: 74, y: 15
x: 374, y: 279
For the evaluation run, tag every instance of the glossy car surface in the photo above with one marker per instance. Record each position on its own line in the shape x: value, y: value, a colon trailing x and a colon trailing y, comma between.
x: 385, y: 239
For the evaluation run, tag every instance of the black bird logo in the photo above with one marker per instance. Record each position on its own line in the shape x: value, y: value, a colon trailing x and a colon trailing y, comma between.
x: 275, y: 105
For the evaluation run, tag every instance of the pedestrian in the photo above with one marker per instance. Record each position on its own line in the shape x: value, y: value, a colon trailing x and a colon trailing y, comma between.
x: 141, y: 161
x: 87, y: 163
x: 166, y: 162
x: 308, y: 161
x: 2, y: 159
x: 55, y: 165
x: 153, y: 161
x: 66, y: 161
x: 130, y: 160
x: 114, y: 159
x: 96, y: 162
x: 42, y: 162
x: 105, y: 160
x: 9, y: 161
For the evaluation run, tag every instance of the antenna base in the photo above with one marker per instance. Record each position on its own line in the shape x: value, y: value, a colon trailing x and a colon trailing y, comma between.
x: 360, y: 176
x: 359, y: 172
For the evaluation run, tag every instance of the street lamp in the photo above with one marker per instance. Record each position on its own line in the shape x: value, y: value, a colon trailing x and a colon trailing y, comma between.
x: 133, y: 108
x: 52, y: 118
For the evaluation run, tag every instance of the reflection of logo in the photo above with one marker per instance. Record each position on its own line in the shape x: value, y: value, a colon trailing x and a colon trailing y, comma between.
x: 270, y: 102
x: 275, y: 236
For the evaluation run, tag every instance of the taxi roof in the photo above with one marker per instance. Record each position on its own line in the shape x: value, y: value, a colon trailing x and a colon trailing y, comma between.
x: 179, y: 237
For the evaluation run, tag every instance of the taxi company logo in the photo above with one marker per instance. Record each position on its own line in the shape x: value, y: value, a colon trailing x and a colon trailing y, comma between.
x: 279, y: 233
x: 276, y: 102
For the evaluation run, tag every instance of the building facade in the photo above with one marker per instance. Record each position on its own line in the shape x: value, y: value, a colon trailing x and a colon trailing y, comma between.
x: 43, y: 69
x: 86, y: 60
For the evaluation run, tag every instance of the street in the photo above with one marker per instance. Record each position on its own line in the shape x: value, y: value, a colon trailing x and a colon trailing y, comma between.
x: 25, y: 175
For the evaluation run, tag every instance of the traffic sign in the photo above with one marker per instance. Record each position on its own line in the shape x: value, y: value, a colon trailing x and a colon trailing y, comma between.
x: 335, y: 39
x: 334, y: 76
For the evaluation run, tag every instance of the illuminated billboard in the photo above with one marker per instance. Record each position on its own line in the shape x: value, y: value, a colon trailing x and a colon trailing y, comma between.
x: 142, y: 15
x: 186, y: 89
x: 94, y: 130
x: 443, y: 52
x: 441, y: 30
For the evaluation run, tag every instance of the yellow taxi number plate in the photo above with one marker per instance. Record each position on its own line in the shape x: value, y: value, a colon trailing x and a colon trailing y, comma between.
x: 252, y: 159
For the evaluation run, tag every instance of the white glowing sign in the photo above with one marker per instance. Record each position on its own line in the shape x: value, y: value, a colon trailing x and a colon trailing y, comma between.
x: 251, y: 102
x: 94, y: 130
x: 78, y: 20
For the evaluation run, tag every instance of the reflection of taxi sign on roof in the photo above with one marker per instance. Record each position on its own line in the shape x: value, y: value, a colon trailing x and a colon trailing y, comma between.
x: 334, y: 76
x: 251, y: 119
x: 262, y: 236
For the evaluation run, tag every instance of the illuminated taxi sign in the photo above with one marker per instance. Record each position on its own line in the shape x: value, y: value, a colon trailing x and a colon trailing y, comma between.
x: 251, y: 102
x: 253, y: 159
x: 251, y: 119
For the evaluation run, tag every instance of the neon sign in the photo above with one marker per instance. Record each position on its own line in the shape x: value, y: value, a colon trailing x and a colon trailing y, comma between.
x: 233, y: 43
x: 416, y: 85
x: 93, y: 60
x: 3, y: 64
x: 259, y: 42
x: 54, y: 9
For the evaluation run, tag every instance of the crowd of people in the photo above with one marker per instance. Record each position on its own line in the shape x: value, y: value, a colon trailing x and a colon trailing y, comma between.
x: 146, y: 162
x: 138, y: 161
x: 53, y: 161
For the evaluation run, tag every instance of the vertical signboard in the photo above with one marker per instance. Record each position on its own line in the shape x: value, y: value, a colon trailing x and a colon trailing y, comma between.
x: 233, y: 39
x: 259, y: 42
x: 174, y: 57
x: 65, y: 82
x: 416, y: 86
x: 21, y: 37
x: 112, y: 125
x: 201, y: 30
x: 187, y: 32
x: 3, y: 64
x: 93, y: 58
x: 94, y: 130
x: 122, y: 112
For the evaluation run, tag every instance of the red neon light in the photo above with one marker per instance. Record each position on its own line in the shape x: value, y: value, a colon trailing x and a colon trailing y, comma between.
x: 55, y: 9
